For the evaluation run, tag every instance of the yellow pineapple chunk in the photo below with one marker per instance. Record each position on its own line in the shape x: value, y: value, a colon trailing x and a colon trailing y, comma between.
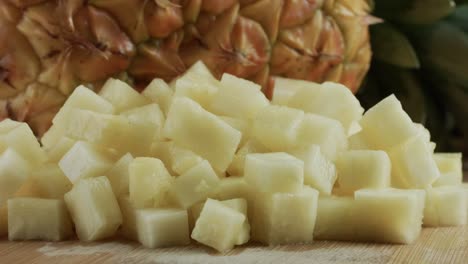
x: 276, y: 127
x: 52, y: 136
x: 36, y: 218
x: 332, y: 213
x: 160, y: 93
x: 345, y: 107
x: 129, y: 222
x: 121, y: 95
x: 238, y: 98
x: 192, y: 127
x: 274, y: 172
x: 450, y: 167
x: 56, y: 153
x: 286, y: 88
x: 387, y: 125
x: 230, y: 188
x: 237, y: 165
x: 94, y: 209
x: 84, y: 160
x: 162, y: 227
x: 319, y: 172
x: 183, y: 159
x: 363, y: 169
x: 119, y: 175
x: 6, y: 125
x: 276, y: 217
x: 218, y: 226
x: 358, y: 142
x: 413, y: 165
x: 150, y: 183
x: 446, y: 206
x: 324, y: 132
x: 149, y: 114
x: 14, y: 171
x: 195, y: 185
x: 50, y: 181
x: 243, y: 125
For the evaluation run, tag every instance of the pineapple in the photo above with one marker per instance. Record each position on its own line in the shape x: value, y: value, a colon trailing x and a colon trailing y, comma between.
x: 49, y: 181
x: 150, y: 114
x: 61, y: 147
x: 237, y: 165
x: 36, y: 218
x: 446, y: 206
x: 52, y: 46
x: 230, y: 188
x: 121, y: 95
x: 160, y: 93
x: 14, y: 171
x: 119, y: 175
x: 450, y: 167
x: 129, y: 222
x: 94, y: 209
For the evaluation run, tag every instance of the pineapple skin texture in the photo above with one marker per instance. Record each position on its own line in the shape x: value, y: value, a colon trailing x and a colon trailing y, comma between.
x: 141, y: 40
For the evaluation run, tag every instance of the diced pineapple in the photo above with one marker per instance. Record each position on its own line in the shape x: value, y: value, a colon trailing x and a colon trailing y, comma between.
x: 82, y: 98
x: 14, y: 171
x: 353, y: 129
x: 121, y: 95
x: 236, y: 167
x: 56, y: 153
x: 94, y: 209
x: 119, y: 175
x: 450, y: 167
x: 387, y: 125
x: 6, y: 125
x: 276, y: 217
x: 192, y: 127
x: 149, y: 114
x: 218, y: 226
x: 332, y: 100
x: 336, y: 218
x: 286, y: 88
x: 84, y: 160
x: 52, y: 136
x: 50, y: 181
x: 238, y: 98
x: 363, y: 169
x: 274, y: 172
x: 193, y: 214
x: 150, y: 183
x: 319, y: 172
x: 22, y: 139
x: 325, y: 132
x: 243, y: 125
x: 446, y: 206
x: 276, y: 127
x: 389, y: 215
x: 413, y: 165
x: 159, y: 92
x: 36, y: 218
x: 117, y: 132
x: 183, y: 159
x: 195, y: 185
x: 240, y: 205
x: 162, y: 227
x: 358, y: 142
x: 129, y: 222
x: 197, y: 84
x: 230, y: 188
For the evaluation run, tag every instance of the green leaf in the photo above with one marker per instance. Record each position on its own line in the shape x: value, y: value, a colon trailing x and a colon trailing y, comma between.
x: 391, y: 46
x: 426, y: 11
x: 459, y: 18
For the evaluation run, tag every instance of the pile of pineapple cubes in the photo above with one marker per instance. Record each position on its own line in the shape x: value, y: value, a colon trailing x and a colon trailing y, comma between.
x: 216, y: 162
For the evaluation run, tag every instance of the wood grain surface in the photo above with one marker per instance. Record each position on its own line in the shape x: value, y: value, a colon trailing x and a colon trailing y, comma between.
x: 435, y: 245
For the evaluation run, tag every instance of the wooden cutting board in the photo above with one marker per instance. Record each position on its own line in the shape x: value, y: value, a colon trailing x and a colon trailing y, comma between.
x: 435, y: 245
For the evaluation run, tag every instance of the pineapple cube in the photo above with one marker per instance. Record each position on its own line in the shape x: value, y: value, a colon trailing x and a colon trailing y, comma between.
x: 52, y: 136
x: 84, y: 160
x: 129, y: 219
x: 14, y: 171
x: 450, y: 167
x: 319, y: 172
x: 121, y: 95
x: 358, y: 142
x: 22, y: 139
x: 363, y: 169
x: 183, y: 159
x: 192, y: 127
x: 94, y: 209
x: 6, y: 125
x: 117, y: 132
x: 160, y: 93
x: 197, y: 84
x: 335, y: 218
x: 389, y: 215
x: 286, y: 88
x: 149, y: 114
x: 150, y: 183
x: 446, y: 206
x: 237, y: 165
x: 36, y: 218
x: 119, y: 175
x: 276, y: 217
x: 345, y: 107
x: 81, y: 98
x: 218, y: 226
x: 230, y: 188
x: 238, y: 98
x: 195, y: 185
x: 63, y: 145
x: 413, y: 165
x: 387, y: 125
x: 274, y: 172
x: 276, y: 127
x: 162, y: 227
x: 50, y: 181
x: 243, y: 125
x: 325, y: 132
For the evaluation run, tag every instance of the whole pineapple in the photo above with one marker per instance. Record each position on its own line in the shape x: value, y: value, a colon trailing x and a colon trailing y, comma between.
x: 48, y: 47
